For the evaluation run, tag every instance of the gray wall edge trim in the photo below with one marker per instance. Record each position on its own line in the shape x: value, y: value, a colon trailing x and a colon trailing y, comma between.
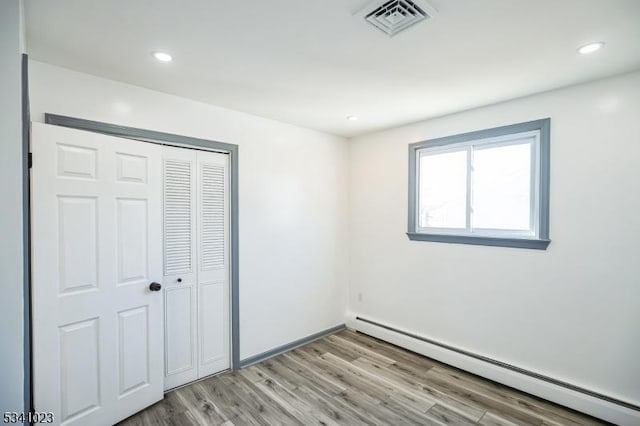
x: 162, y: 138
x: 538, y: 244
x: 235, y: 259
x: 290, y: 346
x: 505, y: 365
x: 26, y: 232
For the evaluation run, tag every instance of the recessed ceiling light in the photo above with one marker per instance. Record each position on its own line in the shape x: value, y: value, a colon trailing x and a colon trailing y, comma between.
x: 162, y: 56
x: 590, y: 48
x: 352, y: 117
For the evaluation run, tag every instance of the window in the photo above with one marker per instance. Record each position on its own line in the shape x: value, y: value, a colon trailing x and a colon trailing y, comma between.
x: 489, y: 187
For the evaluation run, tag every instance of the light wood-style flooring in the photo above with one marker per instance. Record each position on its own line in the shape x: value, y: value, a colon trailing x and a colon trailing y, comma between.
x: 352, y: 379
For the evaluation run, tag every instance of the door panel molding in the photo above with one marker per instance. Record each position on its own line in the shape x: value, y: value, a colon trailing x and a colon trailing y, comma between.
x: 95, y: 320
x: 171, y: 139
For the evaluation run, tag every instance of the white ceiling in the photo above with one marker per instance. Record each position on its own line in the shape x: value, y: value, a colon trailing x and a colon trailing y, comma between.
x: 312, y: 63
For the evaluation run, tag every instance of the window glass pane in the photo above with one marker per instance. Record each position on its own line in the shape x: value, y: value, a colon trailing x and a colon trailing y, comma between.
x: 443, y: 190
x: 502, y: 187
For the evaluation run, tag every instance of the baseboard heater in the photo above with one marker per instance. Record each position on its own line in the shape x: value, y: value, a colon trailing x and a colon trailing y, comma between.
x: 508, y: 366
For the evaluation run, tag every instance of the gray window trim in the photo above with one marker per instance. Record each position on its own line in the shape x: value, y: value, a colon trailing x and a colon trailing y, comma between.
x: 170, y: 139
x: 540, y: 243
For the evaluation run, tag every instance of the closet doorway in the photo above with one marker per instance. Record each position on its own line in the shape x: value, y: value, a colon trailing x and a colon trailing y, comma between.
x: 196, y: 264
x: 134, y: 264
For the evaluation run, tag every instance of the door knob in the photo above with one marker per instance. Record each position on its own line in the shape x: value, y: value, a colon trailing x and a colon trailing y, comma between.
x: 179, y: 280
x: 155, y: 286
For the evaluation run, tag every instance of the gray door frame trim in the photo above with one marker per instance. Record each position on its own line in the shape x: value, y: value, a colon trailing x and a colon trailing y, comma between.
x: 171, y: 139
x: 26, y: 233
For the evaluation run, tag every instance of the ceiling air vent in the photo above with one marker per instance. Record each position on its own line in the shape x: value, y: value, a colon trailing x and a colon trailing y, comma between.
x: 394, y: 16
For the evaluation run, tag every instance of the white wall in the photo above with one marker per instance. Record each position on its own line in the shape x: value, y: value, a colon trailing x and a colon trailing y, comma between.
x: 11, y: 288
x: 571, y: 312
x: 293, y: 200
x: 568, y: 312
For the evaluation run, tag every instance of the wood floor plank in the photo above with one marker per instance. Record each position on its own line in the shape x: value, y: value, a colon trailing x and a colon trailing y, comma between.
x: 201, y: 406
x: 373, y: 408
x: 305, y: 413
x: 245, y: 420
x: 169, y: 407
x: 409, y: 415
x: 316, y: 393
x: 321, y: 367
x: 329, y: 406
x: 360, y: 350
x: 364, y: 406
x: 135, y: 420
x: 387, y: 349
x: 357, y: 378
x: 252, y: 373
x: 284, y: 376
x: 238, y: 401
x: 258, y: 405
x: 184, y: 418
x: 490, y: 419
x: 404, y: 379
x: 310, y: 376
x: 325, y: 346
x: 413, y: 400
x: 313, y: 392
x: 150, y: 419
x: 217, y: 391
x: 308, y: 370
x: 398, y: 381
x: 416, y: 398
x: 321, y: 347
x: 484, y: 402
x: 447, y: 417
x: 545, y: 410
x: 352, y: 379
x: 331, y: 367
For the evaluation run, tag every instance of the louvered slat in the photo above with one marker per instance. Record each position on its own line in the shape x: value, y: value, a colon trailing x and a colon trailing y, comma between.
x: 177, y: 217
x: 212, y: 250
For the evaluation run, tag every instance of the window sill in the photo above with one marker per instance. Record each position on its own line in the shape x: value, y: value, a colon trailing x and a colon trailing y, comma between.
x: 536, y: 244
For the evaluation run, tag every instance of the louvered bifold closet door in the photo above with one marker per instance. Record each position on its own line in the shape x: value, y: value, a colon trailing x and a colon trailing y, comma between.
x: 180, y: 266
x: 213, y: 262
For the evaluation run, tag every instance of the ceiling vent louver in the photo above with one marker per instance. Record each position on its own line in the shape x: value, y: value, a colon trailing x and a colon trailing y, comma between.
x: 394, y: 16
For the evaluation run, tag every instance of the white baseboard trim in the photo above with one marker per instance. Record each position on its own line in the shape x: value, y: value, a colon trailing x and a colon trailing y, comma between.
x: 579, y: 401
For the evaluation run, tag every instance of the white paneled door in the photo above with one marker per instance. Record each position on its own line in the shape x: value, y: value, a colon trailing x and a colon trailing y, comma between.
x: 97, y: 248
